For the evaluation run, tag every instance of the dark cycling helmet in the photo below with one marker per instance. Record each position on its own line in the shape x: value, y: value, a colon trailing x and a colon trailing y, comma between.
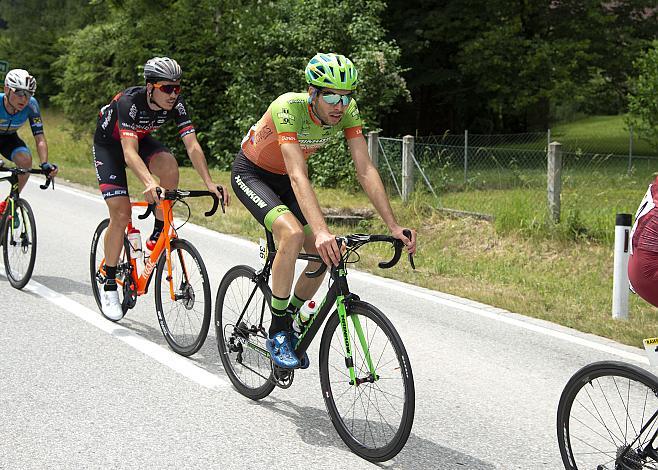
x: 19, y: 79
x: 331, y: 71
x: 162, y: 68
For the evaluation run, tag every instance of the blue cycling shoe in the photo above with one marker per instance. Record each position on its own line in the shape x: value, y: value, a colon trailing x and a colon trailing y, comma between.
x: 304, y: 362
x: 281, y: 351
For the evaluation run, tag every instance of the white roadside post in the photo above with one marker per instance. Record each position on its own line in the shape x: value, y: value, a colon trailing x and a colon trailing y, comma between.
x: 620, y: 272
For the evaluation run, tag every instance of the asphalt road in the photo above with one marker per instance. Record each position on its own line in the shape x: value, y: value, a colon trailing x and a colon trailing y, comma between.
x: 77, y: 391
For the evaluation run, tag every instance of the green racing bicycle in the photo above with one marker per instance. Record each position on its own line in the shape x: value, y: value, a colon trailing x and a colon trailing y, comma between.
x: 365, y: 374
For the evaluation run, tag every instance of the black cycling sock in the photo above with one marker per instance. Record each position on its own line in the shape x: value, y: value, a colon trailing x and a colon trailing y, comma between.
x: 296, y: 302
x: 110, y: 275
x: 157, y: 229
x: 280, y: 317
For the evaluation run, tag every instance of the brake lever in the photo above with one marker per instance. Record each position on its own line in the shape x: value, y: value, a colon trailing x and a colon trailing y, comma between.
x: 221, y: 199
x: 407, y: 233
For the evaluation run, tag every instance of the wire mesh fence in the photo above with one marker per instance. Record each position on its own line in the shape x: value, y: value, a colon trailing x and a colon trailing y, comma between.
x: 473, y: 161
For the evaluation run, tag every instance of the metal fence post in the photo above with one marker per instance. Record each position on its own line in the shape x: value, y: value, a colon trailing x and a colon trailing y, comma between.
x: 373, y: 147
x: 620, y: 267
x: 554, y: 180
x: 630, y: 150
x: 407, y: 167
x: 465, y: 155
x: 548, y: 139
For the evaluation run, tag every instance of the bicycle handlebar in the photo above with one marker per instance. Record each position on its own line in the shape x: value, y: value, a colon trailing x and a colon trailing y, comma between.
x: 33, y: 171
x: 357, y: 240
x: 178, y: 194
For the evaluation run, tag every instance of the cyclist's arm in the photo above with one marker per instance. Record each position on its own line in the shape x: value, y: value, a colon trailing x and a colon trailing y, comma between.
x: 371, y: 183
x: 297, y: 170
x: 42, y: 147
x: 200, y: 164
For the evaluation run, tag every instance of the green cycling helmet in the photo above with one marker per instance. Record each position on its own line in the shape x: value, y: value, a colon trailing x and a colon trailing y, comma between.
x: 331, y: 71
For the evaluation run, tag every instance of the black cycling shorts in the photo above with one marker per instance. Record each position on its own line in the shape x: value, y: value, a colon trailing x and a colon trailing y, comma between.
x: 111, y: 165
x: 266, y: 195
x: 10, y: 144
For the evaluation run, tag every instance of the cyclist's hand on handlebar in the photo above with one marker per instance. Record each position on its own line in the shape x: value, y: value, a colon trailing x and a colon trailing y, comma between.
x: 222, y: 193
x: 51, y: 168
x: 151, y: 193
x: 410, y: 243
x: 327, y: 248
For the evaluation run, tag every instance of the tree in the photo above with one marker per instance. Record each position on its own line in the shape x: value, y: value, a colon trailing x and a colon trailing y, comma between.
x: 643, y: 97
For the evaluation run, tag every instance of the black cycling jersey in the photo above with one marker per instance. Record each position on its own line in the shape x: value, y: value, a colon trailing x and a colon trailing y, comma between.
x: 129, y: 115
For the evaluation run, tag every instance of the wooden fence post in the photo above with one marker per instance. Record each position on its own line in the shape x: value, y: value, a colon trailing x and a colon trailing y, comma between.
x: 407, y: 167
x: 373, y: 147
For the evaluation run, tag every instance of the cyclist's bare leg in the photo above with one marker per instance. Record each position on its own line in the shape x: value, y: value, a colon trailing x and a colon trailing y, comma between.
x: 289, y: 236
x: 164, y: 166
x: 306, y: 287
x: 120, y: 212
x: 22, y: 160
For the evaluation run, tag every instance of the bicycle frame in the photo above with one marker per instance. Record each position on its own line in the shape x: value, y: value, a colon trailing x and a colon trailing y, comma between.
x: 14, y: 192
x: 338, y: 295
x: 141, y: 281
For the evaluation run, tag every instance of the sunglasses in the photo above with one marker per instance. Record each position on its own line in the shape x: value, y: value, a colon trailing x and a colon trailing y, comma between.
x: 334, y: 98
x: 168, y: 89
x: 22, y: 93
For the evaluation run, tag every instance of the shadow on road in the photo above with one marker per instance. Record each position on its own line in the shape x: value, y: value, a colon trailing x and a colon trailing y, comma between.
x: 314, y: 428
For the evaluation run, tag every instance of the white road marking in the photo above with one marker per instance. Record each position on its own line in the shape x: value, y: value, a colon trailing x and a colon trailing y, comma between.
x: 436, y: 297
x: 164, y: 356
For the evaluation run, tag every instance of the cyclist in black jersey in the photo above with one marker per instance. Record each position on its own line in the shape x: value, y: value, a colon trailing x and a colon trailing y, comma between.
x: 122, y: 138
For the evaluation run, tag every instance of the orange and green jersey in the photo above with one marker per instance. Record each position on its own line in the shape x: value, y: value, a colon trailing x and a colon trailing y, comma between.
x: 289, y: 119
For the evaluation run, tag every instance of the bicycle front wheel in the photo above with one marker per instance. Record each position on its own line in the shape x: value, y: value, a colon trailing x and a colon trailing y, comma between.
x: 374, y: 415
x: 97, y: 258
x: 240, y: 305
x: 606, y: 418
x: 19, y: 247
x: 183, y: 301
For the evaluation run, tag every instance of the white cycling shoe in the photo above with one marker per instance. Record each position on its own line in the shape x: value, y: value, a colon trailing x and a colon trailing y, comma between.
x: 111, y: 305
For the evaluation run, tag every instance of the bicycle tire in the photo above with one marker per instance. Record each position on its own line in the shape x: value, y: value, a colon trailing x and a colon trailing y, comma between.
x: 95, y: 257
x: 394, y: 373
x: 234, y: 290
x: 19, y: 254
x: 185, y: 325
x: 616, y: 386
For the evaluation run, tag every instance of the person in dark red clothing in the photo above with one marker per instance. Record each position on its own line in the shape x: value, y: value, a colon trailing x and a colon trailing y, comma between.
x: 643, y: 261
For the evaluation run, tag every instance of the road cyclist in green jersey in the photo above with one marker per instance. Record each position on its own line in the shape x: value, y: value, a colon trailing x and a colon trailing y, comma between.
x: 270, y: 177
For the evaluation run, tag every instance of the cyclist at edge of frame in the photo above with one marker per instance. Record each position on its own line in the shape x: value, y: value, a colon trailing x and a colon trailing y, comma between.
x: 18, y: 105
x: 122, y: 138
x: 643, y: 259
x: 270, y: 177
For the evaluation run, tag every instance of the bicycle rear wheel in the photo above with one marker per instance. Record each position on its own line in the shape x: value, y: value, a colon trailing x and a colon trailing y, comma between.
x: 373, y: 417
x: 97, y: 256
x: 607, y: 417
x: 185, y: 319
x: 241, y: 344
x: 19, y: 247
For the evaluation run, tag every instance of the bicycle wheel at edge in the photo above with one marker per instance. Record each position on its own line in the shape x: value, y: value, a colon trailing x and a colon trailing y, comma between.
x: 237, y: 358
x: 388, y: 401
x: 96, y: 255
x: 19, y: 247
x: 185, y: 321
x: 602, y: 409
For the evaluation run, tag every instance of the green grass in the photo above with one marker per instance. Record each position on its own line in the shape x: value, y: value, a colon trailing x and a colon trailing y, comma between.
x: 520, y: 262
x: 605, y: 134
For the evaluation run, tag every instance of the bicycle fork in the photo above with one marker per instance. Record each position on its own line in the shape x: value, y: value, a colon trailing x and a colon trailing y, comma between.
x: 349, y: 358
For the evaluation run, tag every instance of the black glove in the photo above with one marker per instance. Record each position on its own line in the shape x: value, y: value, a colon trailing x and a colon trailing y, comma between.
x: 46, y: 166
